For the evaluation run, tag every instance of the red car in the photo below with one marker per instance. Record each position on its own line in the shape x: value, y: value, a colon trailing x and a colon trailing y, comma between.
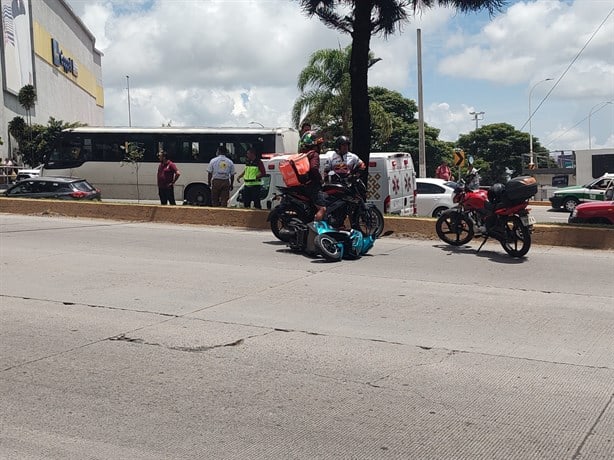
x: 594, y: 212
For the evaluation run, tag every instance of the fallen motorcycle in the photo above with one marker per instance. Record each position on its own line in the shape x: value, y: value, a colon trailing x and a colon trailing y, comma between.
x: 500, y: 212
x: 319, y: 238
x: 344, y: 201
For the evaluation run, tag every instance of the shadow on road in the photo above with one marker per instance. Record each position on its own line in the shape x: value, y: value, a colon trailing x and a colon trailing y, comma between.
x: 495, y: 256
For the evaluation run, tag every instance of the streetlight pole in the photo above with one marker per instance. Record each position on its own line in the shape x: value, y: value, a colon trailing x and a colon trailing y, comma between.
x: 602, y: 104
x: 476, y: 117
x: 531, y: 157
x: 128, y: 88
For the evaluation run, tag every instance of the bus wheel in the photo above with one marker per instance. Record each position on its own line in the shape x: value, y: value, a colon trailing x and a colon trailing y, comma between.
x: 198, y: 195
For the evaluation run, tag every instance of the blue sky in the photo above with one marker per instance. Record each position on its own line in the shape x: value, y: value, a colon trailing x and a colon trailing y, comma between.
x: 230, y: 62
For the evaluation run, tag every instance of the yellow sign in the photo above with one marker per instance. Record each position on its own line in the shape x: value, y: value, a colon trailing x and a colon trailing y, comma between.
x: 459, y: 157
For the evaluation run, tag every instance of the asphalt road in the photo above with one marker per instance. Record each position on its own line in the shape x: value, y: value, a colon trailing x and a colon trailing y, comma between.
x: 150, y: 341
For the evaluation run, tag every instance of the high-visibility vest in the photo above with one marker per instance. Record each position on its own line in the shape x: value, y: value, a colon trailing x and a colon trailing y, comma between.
x: 250, y: 175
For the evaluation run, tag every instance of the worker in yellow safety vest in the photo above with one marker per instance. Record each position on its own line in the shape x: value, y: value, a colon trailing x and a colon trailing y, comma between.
x: 251, y: 175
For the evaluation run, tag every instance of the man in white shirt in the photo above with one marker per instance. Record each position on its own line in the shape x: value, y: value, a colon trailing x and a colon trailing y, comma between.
x: 221, y: 175
x: 343, y: 162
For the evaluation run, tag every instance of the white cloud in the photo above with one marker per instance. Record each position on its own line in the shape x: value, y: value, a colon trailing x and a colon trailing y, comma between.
x: 232, y: 62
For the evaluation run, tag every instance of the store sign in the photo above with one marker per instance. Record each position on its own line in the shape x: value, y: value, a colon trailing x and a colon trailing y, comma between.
x: 59, y: 60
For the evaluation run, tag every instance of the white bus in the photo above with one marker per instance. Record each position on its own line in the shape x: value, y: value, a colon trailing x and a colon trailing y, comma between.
x: 101, y: 155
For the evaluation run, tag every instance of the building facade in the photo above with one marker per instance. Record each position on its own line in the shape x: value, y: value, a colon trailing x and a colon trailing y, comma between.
x: 46, y: 45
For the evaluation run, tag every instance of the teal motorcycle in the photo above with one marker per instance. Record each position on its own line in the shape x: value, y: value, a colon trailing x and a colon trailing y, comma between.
x: 318, y: 238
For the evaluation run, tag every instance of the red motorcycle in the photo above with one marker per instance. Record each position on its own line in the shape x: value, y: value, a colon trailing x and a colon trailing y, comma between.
x: 500, y: 212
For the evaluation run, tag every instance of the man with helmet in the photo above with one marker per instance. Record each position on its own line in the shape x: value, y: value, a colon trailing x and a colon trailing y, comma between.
x: 311, y: 145
x: 343, y: 162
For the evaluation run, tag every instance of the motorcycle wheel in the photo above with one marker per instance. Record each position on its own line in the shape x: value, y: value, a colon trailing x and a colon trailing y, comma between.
x: 454, y: 228
x: 328, y: 247
x: 370, y: 221
x: 517, y: 237
x: 280, y: 220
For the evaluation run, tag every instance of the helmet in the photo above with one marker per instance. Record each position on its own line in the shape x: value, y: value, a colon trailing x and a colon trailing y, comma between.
x: 310, y: 139
x: 342, y: 140
x: 495, y: 193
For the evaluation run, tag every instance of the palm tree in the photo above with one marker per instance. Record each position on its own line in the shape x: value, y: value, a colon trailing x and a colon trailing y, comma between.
x: 27, y: 98
x: 325, y: 89
x: 371, y: 17
x: 325, y: 98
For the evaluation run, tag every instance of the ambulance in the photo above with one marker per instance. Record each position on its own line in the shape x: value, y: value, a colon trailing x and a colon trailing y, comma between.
x: 391, y: 184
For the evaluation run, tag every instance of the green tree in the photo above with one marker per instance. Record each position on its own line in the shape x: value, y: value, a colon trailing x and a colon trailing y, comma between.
x: 495, y: 148
x: 37, y: 141
x: 17, y: 127
x: 363, y: 18
x: 404, y: 137
x: 133, y: 155
x: 325, y: 94
x: 27, y: 99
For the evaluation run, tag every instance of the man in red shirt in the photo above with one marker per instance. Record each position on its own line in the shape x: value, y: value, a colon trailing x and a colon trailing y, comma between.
x: 168, y: 174
x: 443, y: 171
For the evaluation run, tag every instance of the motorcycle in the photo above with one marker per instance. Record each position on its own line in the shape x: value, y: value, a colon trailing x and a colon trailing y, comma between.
x: 500, y: 212
x: 344, y: 200
x: 319, y: 238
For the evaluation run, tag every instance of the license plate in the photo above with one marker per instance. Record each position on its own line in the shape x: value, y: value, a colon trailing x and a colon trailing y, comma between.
x: 528, y: 220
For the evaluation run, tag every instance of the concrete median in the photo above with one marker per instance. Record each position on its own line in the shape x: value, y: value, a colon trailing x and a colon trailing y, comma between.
x: 589, y: 237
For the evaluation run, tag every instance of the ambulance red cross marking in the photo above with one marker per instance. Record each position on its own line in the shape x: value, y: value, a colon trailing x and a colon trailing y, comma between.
x: 395, y: 184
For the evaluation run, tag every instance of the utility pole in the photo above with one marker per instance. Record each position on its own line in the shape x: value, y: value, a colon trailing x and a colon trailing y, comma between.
x: 421, y: 140
x: 476, y: 117
x: 128, y: 88
x: 531, y: 156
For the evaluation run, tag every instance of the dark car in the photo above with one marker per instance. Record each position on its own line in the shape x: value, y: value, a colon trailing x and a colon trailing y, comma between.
x: 64, y: 188
x: 596, y: 212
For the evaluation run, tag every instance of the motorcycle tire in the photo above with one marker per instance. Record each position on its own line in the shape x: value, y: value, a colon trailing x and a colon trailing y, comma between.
x: 377, y: 221
x: 517, y: 237
x: 280, y: 220
x: 370, y: 221
x: 328, y: 247
x: 454, y: 228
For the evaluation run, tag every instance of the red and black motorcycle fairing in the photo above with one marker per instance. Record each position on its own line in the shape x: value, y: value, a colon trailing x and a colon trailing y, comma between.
x: 501, y: 213
x: 344, y: 200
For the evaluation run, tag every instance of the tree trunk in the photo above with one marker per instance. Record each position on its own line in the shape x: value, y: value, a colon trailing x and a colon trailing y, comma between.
x: 359, y: 68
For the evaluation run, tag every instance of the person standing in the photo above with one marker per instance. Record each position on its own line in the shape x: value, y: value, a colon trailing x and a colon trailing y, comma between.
x: 443, y: 171
x: 221, y: 176
x: 254, y: 170
x: 168, y: 174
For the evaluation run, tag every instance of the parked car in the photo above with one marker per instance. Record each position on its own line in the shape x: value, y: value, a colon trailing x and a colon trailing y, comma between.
x: 68, y: 188
x: 570, y: 197
x: 433, y: 196
x: 595, y: 212
x: 28, y: 173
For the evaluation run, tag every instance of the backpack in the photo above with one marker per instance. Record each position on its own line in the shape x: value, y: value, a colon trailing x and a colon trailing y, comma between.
x: 295, y: 170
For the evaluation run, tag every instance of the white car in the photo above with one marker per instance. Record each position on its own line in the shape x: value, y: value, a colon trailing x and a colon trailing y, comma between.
x: 433, y: 196
x: 28, y: 173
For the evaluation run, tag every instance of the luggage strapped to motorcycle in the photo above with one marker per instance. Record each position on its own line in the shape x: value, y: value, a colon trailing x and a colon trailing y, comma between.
x: 295, y: 170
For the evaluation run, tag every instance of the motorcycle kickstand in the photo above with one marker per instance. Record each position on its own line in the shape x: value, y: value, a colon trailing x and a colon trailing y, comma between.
x: 483, y: 243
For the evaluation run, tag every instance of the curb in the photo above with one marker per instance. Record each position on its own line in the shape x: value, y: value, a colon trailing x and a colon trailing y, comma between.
x: 587, y: 237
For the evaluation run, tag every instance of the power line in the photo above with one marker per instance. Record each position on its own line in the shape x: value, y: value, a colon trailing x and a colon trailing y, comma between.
x: 567, y: 70
x: 569, y: 129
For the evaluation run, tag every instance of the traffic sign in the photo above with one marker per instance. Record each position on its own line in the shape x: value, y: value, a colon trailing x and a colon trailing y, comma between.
x: 459, y: 157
